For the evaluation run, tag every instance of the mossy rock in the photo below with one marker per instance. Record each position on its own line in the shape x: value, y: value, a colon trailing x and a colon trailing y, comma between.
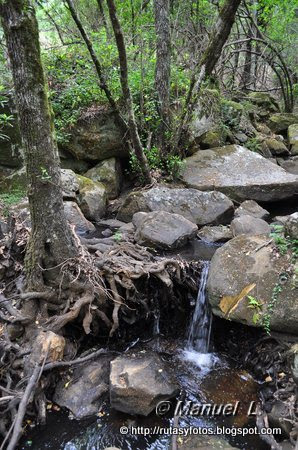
x: 216, y: 137
x: 231, y: 112
x: 109, y: 173
x: 92, y: 198
x: 280, y: 122
x: 264, y: 101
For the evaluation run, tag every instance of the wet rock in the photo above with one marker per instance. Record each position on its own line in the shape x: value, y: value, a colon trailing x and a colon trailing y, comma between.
x: 280, y: 417
x: 109, y: 173
x: 138, y: 382
x: 220, y: 233
x: 14, y: 331
x: 160, y: 229
x: 96, y: 138
x: 290, y: 165
x: 203, y: 442
x: 83, y: 393
x: 293, y: 138
x: 291, y: 226
x: 276, y: 147
x: 92, y: 198
x: 113, y: 224
x: 75, y: 216
x: 251, y: 265
x: 202, y: 208
x: 251, y: 208
x: 70, y: 183
x: 238, y: 173
x: 280, y: 122
x: 249, y: 225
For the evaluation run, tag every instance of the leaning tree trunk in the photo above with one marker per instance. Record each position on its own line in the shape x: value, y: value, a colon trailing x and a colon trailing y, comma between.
x: 133, y: 129
x: 51, y: 240
x: 163, y: 66
x: 210, y: 57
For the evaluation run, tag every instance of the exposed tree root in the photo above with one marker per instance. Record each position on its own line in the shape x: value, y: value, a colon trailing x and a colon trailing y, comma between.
x: 103, y: 289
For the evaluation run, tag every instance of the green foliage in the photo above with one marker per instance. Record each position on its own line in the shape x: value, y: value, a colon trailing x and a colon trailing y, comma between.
x: 5, y: 119
x: 174, y: 166
x: 256, y: 305
x: 9, y: 199
x: 117, y: 236
x: 253, y: 144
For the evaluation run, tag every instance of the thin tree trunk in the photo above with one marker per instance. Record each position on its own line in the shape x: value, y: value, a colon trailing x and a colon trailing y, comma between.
x: 133, y: 130
x: 51, y: 240
x: 97, y: 65
x: 103, y: 16
x: 246, y: 75
x: 163, y: 66
x: 208, y: 61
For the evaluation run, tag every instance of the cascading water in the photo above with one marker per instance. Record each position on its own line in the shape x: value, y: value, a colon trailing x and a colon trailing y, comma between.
x: 200, y: 327
x: 199, y: 331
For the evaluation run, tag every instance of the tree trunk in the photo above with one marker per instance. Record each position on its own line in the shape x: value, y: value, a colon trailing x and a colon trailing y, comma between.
x: 133, y: 130
x: 51, y: 241
x: 102, y: 82
x: 246, y: 75
x: 103, y: 16
x: 163, y: 66
x: 219, y: 36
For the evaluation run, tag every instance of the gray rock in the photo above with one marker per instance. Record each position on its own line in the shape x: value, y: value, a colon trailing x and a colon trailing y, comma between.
x: 251, y: 208
x: 109, y: 173
x: 249, y: 225
x: 264, y: 100
x: 281, y: 121
x: 291, y: 226
x: 220, y: 233
x: 202, y: 208
x: 139, y: 382
x: 241, y: 137
x: 293, y: 138
x: 92, y: 198
x: 290, y: 165
x: 294, y: 362
x: 75, y: 216
x: 280, y: 220
x: 96, y: 138
x: 160, y: 229
x: 70, y: 183
x: 245, y: 266
x: 88, y: 386
x: 280, y: 416
x: 113, y: 224
x: 238, y: 173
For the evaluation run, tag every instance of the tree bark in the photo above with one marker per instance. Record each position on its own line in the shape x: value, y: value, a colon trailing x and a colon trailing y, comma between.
x: 133, y: 130
x: 163, y: 66
x: 210, y: 57
x: 246, y: 75
x: 103, y: 16
x: 51, y: 241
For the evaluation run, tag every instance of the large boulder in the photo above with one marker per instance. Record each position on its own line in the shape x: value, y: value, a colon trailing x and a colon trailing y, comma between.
x: 109, y: 173
x: 84, y: 392
x: 96, y: 138
x: 249, y: 225
x: 215, y: 137
x: 138, y: 382
x: 251, y: 208
x: 239, y: 173
x: 280, y: 122
x: 92, y: 198
x: 75, y: 217
x: 161, y: 229
x: 201, y: 208
x: 275, y: 146
x: 293, y: 138
x: 252, y: 266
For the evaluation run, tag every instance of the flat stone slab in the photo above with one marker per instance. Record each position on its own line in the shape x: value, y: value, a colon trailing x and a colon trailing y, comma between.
x: 239, y: 173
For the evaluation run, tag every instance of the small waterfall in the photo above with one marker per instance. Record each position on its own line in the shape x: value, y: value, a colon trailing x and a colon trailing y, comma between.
x: 200, y: 326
